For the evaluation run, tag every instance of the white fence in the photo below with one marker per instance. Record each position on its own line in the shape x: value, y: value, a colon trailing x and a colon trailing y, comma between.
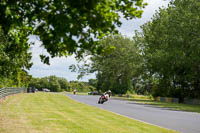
x: 4, y: 92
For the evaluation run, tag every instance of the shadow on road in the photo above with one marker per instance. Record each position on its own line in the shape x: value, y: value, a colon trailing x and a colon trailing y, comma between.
x: 154, y: 106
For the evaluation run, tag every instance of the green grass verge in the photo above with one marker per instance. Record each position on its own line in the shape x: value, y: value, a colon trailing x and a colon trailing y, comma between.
x: 174, y: 106
x: 56, y: 113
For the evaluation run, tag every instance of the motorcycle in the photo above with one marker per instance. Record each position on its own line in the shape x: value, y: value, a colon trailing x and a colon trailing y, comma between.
x: 102, y: 99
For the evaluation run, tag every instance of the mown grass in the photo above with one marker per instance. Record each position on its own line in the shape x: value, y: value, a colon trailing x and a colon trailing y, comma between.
x: 173, y: 106
x: 56, y: 113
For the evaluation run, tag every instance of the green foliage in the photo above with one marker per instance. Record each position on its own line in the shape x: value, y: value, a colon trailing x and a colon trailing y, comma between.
x: 52, y: 82
x: 4, y: 82
x: 66, y: 27
x: 14, y: 59
x: 12, y: 56
x: 35, y: 83
x: 93, y: 82
x: 57, y: 84
x: 64, y: 84
x: 116, y: 66
x: 63, y: 27
x: 170, y: 47
x: 22, y: 79
x: 81, y: 86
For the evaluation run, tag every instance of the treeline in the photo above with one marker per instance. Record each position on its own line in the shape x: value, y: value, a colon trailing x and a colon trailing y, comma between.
x: 163, y: 59
x: 58, y: 84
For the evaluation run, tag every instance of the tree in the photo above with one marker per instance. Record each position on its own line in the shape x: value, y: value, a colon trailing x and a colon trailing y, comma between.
x: 81, y: 86
x: 54, y: 84
x: 13, y: 61
x: 92, y: 82
x: 10, y: 61
x: 116, y: 66
x: 170, y: 46
x: 64, y: 84
x: 65, y: 27
x: 35, y: 83
x: 44, y: 82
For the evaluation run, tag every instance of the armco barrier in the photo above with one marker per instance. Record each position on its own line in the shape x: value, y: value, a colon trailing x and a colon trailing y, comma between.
x: 176, y: 100
x: 4, y: 92
x: 167, y: 99
x: 192, y: 101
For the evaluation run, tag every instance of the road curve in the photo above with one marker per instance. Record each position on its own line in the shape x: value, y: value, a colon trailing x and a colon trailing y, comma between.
x: 185, y: 122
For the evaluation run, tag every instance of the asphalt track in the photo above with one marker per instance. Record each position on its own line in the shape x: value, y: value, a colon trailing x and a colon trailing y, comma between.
x: 185, y: 122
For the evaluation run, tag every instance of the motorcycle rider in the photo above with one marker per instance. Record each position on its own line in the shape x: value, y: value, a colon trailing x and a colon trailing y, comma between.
x: 104, y: 97
x: 107, y: 94
x: 74, y: 91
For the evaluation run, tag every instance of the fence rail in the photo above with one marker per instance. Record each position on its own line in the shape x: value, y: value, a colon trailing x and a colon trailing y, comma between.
x: 4, y: 92
x: 167, y: 99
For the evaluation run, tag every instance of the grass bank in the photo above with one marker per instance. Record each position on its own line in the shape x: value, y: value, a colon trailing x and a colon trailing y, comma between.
x: 56, y: 113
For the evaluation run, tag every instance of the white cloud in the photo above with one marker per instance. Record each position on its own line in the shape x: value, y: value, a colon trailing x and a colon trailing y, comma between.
x: 60, y: 66
x: 128, y: 27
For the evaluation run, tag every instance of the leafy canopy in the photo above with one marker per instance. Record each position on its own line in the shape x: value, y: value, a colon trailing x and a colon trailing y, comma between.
x: 66, y: 26
x: 116, y: 66
x: 170, y: 45
x: 14, y: 60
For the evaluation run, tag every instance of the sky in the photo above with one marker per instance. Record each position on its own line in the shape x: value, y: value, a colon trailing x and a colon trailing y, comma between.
x: 60, y: 66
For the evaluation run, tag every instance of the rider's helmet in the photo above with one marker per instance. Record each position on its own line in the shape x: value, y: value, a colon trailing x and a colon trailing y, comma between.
x: 109, y: 92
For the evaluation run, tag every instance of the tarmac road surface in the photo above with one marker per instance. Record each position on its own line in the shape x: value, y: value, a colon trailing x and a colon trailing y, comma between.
x: 185, y: 122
